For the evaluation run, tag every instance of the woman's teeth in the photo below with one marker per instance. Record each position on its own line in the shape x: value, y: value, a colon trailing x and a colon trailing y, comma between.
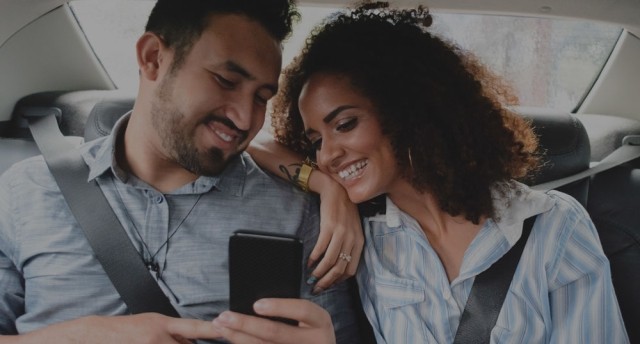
x: 353, y: 170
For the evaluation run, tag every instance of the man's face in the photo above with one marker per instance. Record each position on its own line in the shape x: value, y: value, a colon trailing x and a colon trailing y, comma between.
x: 208, y: 109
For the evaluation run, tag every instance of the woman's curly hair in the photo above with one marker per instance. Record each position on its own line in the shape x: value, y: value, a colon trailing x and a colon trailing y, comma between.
x: 443, y: 112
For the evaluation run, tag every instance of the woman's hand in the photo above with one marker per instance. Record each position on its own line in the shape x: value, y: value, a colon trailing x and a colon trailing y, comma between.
x: 341, y: 238
x: 340, y: 226
x: 314, y: 324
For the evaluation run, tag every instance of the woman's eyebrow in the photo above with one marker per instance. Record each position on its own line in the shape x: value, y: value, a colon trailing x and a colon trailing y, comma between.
x: 328, y: 118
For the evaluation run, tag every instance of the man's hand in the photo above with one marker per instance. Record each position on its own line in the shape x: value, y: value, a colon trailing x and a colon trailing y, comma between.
x: 314, y: 327
x: 141, y: 328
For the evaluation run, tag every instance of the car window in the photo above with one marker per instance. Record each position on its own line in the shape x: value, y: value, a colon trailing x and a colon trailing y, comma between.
x: 550, y: 62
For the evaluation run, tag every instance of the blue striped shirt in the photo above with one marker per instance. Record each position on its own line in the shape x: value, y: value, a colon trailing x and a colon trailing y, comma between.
x: 561, y: 291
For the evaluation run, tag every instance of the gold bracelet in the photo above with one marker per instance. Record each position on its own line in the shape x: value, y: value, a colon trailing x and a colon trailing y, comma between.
x: 303, y: 176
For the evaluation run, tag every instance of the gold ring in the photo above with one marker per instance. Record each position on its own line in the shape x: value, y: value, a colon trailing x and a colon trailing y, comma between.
x: 345, y: 256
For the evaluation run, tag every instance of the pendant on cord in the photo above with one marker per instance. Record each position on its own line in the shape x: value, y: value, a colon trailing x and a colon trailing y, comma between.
x: 152, y: 266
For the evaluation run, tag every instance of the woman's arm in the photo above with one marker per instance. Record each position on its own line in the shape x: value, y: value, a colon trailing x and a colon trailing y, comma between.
x: 583, y: 303
x: 340, y: 226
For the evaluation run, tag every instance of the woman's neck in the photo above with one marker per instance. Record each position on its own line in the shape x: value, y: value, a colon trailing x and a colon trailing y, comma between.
x: 449, y: 236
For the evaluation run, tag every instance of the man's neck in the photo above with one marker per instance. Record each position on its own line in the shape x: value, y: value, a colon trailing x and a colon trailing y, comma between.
x: 139, y: 153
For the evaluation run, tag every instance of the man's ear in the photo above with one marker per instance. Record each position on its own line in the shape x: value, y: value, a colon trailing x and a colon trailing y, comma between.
x: 149, y: 50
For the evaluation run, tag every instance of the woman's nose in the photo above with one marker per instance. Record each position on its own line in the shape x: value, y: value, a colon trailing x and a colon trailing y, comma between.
x: 329, y: 155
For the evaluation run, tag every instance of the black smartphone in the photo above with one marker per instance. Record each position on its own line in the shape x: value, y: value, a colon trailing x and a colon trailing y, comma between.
x: 263, y: 264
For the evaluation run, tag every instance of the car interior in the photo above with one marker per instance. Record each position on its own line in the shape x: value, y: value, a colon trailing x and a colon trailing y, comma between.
x: 37, y: 71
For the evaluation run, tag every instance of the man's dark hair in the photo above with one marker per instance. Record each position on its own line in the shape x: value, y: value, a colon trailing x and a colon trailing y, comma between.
x: 181, y: 22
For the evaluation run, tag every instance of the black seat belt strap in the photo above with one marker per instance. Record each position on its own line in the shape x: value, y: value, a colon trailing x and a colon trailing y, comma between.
x: 488, y: 293
x: 108, y: 239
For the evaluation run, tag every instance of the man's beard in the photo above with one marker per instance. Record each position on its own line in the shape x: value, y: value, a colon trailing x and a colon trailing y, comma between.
x: 178, y: 139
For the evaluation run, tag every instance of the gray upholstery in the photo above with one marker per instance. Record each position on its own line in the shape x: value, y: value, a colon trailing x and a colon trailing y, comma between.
x: 606, y: 132
x: 104, y: 115
x: 75, y: 106
x: 565, y: 146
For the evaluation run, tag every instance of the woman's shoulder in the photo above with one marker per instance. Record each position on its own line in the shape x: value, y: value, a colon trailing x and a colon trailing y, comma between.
x: 521, y: 202
x: 566, y: 211
x: 559, y: 217
x: 570, y: 240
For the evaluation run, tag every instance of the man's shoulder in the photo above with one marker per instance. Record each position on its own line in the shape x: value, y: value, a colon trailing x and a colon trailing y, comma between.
x: 269, y: 181
x: 31, y: 169
x: 35, y: 169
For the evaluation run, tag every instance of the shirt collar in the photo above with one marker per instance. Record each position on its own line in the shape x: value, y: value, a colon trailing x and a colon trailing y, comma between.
x: 513, y: 206
x: 100, y: 157
x: 518, y: 204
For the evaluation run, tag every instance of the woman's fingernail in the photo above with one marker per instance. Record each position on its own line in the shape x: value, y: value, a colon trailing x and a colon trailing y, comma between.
x: 312, y: 280
x: 317, y: 290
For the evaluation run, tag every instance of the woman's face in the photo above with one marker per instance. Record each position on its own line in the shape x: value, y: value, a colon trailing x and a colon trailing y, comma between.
x: 344, y: 129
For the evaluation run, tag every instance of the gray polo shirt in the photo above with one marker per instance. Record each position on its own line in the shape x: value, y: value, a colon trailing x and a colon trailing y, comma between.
x: 48, y: 272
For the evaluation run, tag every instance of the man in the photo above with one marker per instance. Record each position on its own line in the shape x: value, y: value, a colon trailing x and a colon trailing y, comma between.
x: 176, y: 176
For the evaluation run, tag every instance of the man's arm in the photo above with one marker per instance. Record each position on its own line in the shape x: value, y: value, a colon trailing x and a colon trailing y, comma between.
x: 140, y: 328
x: 11, y: 281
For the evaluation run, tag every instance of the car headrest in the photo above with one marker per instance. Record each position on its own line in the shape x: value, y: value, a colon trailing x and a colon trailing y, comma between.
x: 565, y: 146
x: 104, y: 115
x: 75, y: 107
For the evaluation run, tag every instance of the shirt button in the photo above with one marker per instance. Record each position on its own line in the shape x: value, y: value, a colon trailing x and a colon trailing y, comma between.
x: 447, y: 294
x: 159, y: 199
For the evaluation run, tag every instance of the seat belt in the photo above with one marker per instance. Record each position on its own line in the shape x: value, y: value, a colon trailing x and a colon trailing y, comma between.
x: 487, y: 293
x: 108, y: 239
x: 629, y: 150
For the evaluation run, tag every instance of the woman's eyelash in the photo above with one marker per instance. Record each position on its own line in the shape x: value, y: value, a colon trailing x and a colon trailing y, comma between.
x: 347, y: 125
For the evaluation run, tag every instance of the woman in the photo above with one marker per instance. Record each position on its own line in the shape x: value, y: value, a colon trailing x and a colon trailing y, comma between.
x: 416, y: 131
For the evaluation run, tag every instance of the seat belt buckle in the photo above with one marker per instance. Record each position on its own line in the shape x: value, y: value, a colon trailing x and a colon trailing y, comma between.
x: 631, y: 140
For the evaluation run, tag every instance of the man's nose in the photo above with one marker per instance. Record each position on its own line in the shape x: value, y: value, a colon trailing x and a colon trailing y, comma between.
x: 241, y: 110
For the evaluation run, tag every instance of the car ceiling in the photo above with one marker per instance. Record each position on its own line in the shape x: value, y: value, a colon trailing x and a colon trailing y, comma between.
x: 85, y: 72
x: 15, y: 14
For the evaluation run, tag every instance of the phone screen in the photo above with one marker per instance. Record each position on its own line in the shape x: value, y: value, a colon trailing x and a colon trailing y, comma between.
x: 263, y: 264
